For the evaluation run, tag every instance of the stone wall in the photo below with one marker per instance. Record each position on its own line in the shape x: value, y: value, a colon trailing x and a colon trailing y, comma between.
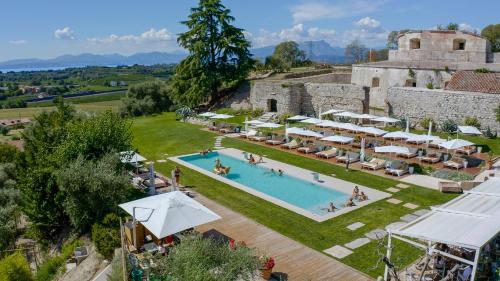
x: 342, y: 78
x: 308, y: 98
x: 441, y: 105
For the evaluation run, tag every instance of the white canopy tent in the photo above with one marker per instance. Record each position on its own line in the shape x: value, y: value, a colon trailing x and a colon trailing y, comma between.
x: 349, y: 127
x: 469, y: 221
x: 297, y: 118
x: 168, y: 213
x: 469, y: 130
x: 304, y: 132
x: 338, y: 139
x: 328, y: 123
x: 253, y: 122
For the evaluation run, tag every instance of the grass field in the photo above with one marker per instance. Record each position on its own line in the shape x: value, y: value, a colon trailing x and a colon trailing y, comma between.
x: 161, y: 136
x: 32, y: 111
x: 86, y: 99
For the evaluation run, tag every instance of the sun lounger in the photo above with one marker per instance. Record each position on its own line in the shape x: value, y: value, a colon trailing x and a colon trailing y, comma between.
x: 290, y: 145
x: 310, y: 148
x: 467, y: 150
x: 275, y: 141
x: 227, y: 130
x: 454, y: 163
x: 397, y: 168
x: 373, y: 164
x: 411, y: 153
x: 248, y: 134
x: 350, y: 157
x: 332, y: 152
x: 431, y: 158
x: 259, y: 138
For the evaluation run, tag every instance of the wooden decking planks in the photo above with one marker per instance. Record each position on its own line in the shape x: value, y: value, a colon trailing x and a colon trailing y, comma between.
x: 292, y: 258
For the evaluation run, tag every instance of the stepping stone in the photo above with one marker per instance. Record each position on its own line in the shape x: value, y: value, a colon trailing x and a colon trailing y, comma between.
x: 395, y: 225
x: 357, y: 243
x: 355, y: 225
x: 161, y: 161
x: 338, y: 251
x: 148, y: 162
x: 410, y: 206
x: 376, y: 234
x: 402, y: 185
x: 394, y: 201
x: 392, y: 189
x: 408, y: 218
x: 421, y: 212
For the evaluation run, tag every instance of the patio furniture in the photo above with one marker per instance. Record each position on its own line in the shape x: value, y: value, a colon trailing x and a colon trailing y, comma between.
x: 449, y: 187
x: 466, y: 150
x: 332, y: 152
x: 454, y: 163
x: 276, y: 141
x: 290, y: 145
x: 397, y: 168
x: 432, y: 157
x: 227, y: 130
x: 350, y: 157
x: 373, y: 164
x: 412, y: 152
x: 248, y: 134
x: 310, y: 148
x: 259, y: 138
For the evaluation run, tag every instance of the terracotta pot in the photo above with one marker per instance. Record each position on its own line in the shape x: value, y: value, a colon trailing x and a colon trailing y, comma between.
x: 266, y: 273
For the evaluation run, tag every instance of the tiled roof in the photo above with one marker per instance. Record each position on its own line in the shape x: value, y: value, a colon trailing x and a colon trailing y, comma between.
x: 470, y: 81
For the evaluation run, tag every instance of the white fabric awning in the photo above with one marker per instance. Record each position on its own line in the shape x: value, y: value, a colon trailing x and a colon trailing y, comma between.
x: 328, y: 123
x: 392, y: 149
x: 269, y: 125
x: 455, y: 144
x: 469, y: 130
x: 348, y: 114
x: 297, y: 118
x: 469, y: 221
x: 338, y: 139
x: 368, y: 116
x: 169, y: 213
x: 397, y: 135
x: 253, y: 122
x: 311, y: 121
x: 372, y: 131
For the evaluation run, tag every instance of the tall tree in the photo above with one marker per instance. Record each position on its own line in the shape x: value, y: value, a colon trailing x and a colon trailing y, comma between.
x: 492, y: 33
x: 356, y: 51
x: 452, y: 26
x: 218, y: 55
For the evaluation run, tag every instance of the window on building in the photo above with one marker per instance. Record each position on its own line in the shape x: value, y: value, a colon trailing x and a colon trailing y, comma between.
x: 272, y: 105
x: 459, y: 44
x: 375, y: 82
x: 411, y: 83
x: 414, y: 43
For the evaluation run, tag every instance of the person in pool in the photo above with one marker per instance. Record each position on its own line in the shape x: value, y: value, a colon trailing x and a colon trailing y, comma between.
x: 280, y: 172
x: 350, y: 203
x: 217, y: 164
x: 331, y: 207
x: 251, y: 159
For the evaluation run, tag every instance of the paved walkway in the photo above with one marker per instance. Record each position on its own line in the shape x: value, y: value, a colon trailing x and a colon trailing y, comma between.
x: 292, y: 258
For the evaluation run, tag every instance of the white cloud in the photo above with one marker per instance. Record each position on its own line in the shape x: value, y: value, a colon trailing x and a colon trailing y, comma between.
x: 65, y: 33
x: 315, y: 10
x: 18, y: 42
x: 149, y: 36
x: 467, y: 27
x: 368, y: 22
x: 295, y: 33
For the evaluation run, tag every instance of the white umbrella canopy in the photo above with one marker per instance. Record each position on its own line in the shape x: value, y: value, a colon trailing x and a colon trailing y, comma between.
x: 306, y: 133
x: 254, y: 122
x: 391, y: 149
x: 207, y: 114
x: 423, y: 138
x: 169, y: 213
x: 338, y: 139
x: 221, y: 116
x: 294, y: 130
x: 455, y: 144
x: 269, y: 125
x: 397, y: 135
x: 372, y: 131
x: 386, y: 119
x: 131, y: 157
x: 327, y: 123
x: 469, y: 130
x: 331, y: 111
x: 349, y: 127
x: 368, y: 116
x: 311, y: 121
x: 297, y: 118
x: 347, y: 114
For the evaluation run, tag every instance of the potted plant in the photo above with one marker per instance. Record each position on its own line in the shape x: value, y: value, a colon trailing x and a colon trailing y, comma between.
x: 266, y: 266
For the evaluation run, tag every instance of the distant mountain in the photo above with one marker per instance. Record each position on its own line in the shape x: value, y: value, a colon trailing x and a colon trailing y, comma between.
x: 94, y: 60
x: 319, y: 51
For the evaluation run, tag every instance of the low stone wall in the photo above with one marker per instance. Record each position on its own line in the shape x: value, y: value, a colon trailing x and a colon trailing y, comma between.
x: 440, y: 105
x: 308, y: 98
x: 342, y: 78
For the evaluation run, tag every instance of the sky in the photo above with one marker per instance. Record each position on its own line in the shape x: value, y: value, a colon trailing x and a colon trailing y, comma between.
x: 50, y: 28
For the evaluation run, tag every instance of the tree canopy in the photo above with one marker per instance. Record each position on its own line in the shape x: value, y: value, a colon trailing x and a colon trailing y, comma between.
x: 492, y: 33
x: 285, y: 56
x: 9, y: 209
x: 146, y: 98
x: 218, y: 55
x: 356, y: 51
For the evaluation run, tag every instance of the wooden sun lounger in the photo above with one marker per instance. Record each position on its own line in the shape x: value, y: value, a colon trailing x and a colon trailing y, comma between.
x: 275, y: 141
x: 354, y: 157
x: 373, y: 164
x: 454, y: 163
x: 330, y: 153
x: 259, y: 138
x: 290, y: 145
x: 308, y: 149
x: 467, y: 150
x: 431, y: 158
x: 412, y: 153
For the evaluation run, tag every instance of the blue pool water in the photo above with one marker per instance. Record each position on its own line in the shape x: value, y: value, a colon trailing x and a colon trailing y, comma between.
x: 295, y: 191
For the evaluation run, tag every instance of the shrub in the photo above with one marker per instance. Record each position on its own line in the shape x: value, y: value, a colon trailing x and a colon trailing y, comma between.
x: 52, y: 265
x: 482, y: 70
x: 490, y: 134
x: 449, y: 126
x: 137, y: 107
x: 106, y: 235
x: 452, y: 175
x: 183, y: 113
x: 411, y: 73
x: 429, y: 86
x: 14, y: 268
x: 4, y: 130
x: 257, y: 112
x: 472, y: 121
x: 425, y: 123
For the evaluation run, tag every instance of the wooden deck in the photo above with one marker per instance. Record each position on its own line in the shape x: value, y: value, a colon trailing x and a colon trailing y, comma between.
x: 295, y: 260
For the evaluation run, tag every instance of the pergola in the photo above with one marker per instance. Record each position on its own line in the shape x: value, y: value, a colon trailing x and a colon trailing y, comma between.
x: 469, y: 221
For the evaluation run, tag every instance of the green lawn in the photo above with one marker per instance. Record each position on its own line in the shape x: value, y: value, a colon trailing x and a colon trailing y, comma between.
x: 32, y: 111
x: 160, y: 135
x: 86, y: 99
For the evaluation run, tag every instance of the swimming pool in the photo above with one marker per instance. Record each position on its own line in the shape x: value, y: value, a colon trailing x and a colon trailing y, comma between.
x: 307, y: 195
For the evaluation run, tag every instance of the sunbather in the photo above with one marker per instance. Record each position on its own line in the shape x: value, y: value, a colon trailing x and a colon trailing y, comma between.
x: 251, y: 159
x: 350, y: 203
x: 355, y: 192
x: 363, y: 196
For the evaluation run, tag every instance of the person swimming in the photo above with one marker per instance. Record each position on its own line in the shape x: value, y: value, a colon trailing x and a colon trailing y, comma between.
x: 280, y: 172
